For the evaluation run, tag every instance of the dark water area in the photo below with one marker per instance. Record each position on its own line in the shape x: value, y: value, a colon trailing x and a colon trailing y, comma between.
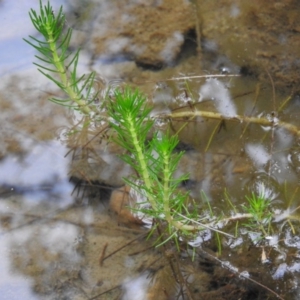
x: 62, y: 234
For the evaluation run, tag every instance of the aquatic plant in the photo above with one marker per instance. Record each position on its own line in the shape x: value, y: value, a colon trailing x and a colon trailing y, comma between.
x: 54, y: 52
x: 149, y: 152
x: 57, y: 60
x: 154, y: 160
x: 259, y: 207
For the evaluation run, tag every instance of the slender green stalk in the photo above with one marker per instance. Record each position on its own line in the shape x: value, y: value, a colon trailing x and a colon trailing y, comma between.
x: 132, y: 132
x: 166, y: 190
x: 62, y: 70
x: 141, y: 159
x: 54, y: 52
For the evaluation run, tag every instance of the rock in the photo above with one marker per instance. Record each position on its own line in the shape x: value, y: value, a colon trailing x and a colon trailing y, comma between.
x: 149, y: 32
x: 120, y: 203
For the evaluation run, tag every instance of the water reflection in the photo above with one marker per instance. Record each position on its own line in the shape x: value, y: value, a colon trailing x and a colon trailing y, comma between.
x: 34, y: 189
x: 47, y: 253
x: 12, y: 285
x: 15, y: 54
x: 39, y: 174
x: 258, y: 154
x: 136, y: 289
x: 215, y: 90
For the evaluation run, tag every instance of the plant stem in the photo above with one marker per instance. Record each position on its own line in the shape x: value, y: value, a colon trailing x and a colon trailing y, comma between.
x: 53, y: 50
x: 213, y: 115
x: 63, y: 72
x: 142, y: 161
x: 166, y: 188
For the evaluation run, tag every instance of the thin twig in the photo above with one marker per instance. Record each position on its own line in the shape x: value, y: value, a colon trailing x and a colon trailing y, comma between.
x: 257, y: 91
x: 273, y: 90
x: 240, y: 274
x: 212, y: 136
x: 203, y: 76
x: 124, y: 246
x: 102, y: 254
x: 141, y: 251
x: 212, y: 223
x: 273, y: 131
x: 198, y: 26
x: 107, y: 291
x: 182, y: 280
x: 191, y: 77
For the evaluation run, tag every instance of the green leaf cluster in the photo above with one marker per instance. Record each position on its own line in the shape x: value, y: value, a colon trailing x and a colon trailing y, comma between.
x: 259, y: 207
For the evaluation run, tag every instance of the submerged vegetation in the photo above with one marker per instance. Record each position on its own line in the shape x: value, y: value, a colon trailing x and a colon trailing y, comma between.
x: 128, y: 120
x: 127, y: 115
x: 258, y: 206
x: 57, y: 60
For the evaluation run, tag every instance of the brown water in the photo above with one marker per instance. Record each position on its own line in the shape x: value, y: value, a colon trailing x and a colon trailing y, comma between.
x: 54, y: 243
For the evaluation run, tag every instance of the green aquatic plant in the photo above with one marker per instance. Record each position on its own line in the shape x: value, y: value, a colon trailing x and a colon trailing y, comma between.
x: 150, y: 153
x: 154, y: 160
x: 258, y: 206
x: 57, y: 63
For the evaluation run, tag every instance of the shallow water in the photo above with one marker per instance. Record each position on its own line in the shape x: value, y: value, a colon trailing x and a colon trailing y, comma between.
x: 53, y: 241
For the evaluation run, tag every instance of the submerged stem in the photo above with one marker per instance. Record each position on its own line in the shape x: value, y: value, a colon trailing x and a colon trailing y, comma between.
x: 142, y: 161
x: 53, y: 50
x: 63, y: 71
x: 237, y: 118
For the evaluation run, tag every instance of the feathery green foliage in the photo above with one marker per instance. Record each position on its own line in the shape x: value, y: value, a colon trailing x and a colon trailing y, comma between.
x: 150, y: 153
x: 57, y: 62
x: 154, y: 160
x: 259, y: 207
